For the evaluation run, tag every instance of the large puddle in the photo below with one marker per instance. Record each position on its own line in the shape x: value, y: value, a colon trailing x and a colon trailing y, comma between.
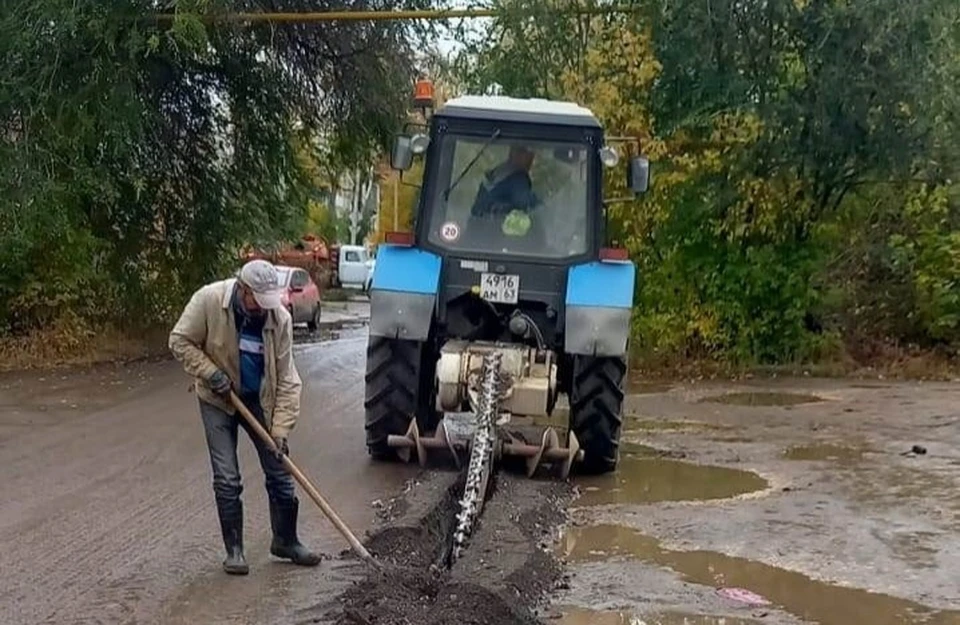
x: 643, y: 477
x: 580, y: 616
x: 808, y: 599
x: 763, y: 399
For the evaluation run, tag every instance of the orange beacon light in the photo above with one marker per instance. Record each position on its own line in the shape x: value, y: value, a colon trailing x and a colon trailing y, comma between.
x: 423, y: 94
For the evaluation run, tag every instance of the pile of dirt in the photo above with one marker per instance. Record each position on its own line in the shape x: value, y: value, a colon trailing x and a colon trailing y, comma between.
x: 499, y: 578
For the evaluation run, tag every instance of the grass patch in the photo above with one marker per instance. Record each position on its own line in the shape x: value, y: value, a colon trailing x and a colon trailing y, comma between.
x: 882, y: 361
x: 71, y: 343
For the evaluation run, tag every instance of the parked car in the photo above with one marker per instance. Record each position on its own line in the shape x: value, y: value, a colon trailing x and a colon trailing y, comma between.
x: 301, y: 296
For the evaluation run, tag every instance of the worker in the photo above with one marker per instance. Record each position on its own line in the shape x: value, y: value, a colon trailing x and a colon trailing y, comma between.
x: 506, y: 187
x: 235, y: 335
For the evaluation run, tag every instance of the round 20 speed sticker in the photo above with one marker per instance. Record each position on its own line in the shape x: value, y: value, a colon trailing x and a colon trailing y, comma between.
x: 449, y: 232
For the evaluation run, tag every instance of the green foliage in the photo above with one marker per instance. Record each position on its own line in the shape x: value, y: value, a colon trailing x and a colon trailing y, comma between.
x: 707, y: 297
x: 804, y: 158
x: 927, y: 253
x: 525, y: 52
x: 136, y: 156
x: 323, y: 222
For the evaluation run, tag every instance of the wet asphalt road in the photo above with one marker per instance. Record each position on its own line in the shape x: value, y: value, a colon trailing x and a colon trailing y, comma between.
x: 107, y: 512
x: 801, y: 492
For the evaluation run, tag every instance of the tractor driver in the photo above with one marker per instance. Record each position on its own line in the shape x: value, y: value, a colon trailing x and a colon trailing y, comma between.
x: 506, y: 187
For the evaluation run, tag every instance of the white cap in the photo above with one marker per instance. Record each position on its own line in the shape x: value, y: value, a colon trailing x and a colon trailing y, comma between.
x: 262, y: 279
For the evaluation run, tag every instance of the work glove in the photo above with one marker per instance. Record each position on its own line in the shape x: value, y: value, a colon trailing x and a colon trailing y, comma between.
x: 219, y: 383
x: 282, y: 449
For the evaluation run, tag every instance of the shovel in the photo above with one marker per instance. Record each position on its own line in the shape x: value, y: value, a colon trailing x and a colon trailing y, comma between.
x: 304, y: 481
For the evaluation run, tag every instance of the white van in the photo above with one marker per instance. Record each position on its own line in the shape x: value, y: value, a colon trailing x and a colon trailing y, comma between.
x: 355, y: 266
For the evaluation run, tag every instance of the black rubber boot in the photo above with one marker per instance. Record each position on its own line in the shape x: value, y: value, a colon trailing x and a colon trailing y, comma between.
x: 231, y: 524
x: 286, y: 545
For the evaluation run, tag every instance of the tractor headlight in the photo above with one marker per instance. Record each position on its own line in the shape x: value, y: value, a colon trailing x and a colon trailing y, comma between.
x: 609, y: 156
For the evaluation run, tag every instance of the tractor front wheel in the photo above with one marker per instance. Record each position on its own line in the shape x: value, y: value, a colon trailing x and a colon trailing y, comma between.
x: 399, y: 381
x: 596, y: 405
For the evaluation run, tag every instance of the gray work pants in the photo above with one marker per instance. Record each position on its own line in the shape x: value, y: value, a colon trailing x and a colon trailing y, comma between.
x: 221, y: 431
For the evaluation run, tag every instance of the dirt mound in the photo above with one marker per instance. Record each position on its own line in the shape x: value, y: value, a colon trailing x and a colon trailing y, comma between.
x: 498, y: 579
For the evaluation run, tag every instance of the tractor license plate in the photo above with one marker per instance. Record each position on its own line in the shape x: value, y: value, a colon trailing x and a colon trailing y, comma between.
x: 499, y: 288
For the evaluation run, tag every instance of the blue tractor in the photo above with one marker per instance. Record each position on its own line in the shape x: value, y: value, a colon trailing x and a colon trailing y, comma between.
x: 507, y: 258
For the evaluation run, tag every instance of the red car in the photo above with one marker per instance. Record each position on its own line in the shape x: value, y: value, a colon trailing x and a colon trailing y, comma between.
x: 301, y: 296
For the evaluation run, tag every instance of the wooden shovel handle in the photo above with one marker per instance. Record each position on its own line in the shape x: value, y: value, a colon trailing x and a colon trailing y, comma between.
x: 302, y: 479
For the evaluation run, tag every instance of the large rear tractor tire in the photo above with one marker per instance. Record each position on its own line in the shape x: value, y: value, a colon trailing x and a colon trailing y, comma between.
x: 596, y: 406
x: 399, y: 384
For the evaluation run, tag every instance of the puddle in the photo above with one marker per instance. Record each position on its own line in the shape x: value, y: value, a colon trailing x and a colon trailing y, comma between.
x: 824, y: 451
x: 808, y: 599
x: 582, y: 616
x: 644, y: 477
x: 763, y: 399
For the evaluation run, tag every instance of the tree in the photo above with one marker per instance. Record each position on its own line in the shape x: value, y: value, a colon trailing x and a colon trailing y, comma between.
x: 776, y: 130
x: 137, y: 155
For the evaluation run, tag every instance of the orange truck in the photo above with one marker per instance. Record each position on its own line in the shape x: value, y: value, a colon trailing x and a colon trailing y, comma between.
x: 311, y: 253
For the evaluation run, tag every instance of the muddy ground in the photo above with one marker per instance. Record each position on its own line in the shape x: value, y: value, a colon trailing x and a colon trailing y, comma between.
x: 804, y: 493
x: 499, y: 578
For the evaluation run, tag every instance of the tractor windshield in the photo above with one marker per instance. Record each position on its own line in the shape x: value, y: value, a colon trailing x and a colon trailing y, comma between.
x: 511, y: 196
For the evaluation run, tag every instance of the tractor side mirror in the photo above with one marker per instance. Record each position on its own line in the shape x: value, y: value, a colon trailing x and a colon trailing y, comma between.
x: 401, y: 158
x: 638, y: 174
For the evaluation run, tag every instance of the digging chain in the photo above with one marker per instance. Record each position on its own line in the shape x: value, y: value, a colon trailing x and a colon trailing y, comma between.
x: 481, y: 451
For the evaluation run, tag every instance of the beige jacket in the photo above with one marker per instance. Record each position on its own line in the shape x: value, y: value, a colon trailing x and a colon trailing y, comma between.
x: 205, y: 339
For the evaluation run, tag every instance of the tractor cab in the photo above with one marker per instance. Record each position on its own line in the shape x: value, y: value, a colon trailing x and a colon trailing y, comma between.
x: 513, y: 178
x: 507, y: 257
